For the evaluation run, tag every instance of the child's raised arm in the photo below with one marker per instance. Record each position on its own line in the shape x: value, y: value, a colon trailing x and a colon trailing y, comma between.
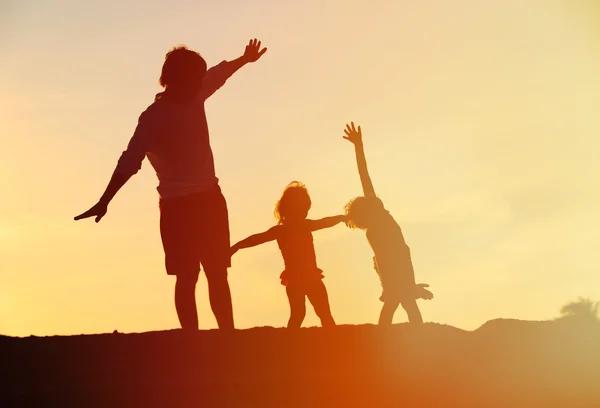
x: 354, y: 136
x: 256, y: 239
x: 326, y: 222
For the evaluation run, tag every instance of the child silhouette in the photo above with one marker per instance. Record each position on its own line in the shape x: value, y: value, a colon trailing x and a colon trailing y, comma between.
x: 392, y: 259
x: 293, y: 233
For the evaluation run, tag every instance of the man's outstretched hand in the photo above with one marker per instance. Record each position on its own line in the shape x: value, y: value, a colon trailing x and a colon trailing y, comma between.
x: 253, y: 51
x: 98, y: 211
x: 353, y: 135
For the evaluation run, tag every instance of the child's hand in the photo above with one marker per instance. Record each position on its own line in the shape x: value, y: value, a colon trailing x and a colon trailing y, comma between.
x: 346, y: 220
x: 422, y: 293
x: 253, y: 51
x: 232, y: 250
x: 353, y: 135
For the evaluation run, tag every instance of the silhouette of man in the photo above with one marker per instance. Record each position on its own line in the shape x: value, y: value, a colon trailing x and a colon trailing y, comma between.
x: 173, y: 133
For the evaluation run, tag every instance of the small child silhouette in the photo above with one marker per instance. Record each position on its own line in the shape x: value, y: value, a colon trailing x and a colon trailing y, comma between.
x: 293, y: 233
x: 392, y: 259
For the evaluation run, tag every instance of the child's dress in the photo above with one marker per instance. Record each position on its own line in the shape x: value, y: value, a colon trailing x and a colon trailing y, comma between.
x: 392, y: 259
x: 298, y: 253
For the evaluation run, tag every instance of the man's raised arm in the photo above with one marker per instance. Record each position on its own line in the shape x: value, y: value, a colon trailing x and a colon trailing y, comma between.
x: 218, y: 75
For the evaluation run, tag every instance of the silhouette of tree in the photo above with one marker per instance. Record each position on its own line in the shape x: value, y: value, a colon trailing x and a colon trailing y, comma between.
x: 583, y: 309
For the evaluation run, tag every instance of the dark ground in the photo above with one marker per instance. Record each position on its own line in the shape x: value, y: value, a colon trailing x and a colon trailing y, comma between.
x: 504, y: 363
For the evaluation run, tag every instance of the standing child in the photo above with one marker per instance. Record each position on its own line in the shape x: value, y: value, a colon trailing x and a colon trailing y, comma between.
x: 293, y: 233
x: 392, y: 259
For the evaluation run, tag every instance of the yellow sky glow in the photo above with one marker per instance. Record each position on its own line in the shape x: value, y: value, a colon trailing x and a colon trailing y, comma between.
x: 481, y: 133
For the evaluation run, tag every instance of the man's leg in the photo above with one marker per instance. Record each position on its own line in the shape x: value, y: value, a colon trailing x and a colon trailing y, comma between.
x: 296, y: 297
x: 215, y: 257
x: 185, y: 301
x: 317, y: 294
x: 180, y: 259
x: 220, y: 296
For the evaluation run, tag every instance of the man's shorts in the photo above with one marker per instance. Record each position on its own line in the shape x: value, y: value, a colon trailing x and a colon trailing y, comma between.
x: 195, y: 230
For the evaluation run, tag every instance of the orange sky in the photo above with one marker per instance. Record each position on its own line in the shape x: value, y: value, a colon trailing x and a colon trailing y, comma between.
x: 480, y: 128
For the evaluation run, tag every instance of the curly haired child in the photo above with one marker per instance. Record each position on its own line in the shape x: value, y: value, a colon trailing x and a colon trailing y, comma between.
x: 302, y: 277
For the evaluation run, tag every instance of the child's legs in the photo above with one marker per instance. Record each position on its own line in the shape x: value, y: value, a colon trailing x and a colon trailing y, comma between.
x: 317, y: 294
x: 409, y: 301
x: 412, y: 311
x: 387, y: 311
x: 296, y: 297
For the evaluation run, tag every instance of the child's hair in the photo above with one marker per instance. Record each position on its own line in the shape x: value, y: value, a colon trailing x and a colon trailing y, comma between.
x: 181, y: 67
x: 361, y: 210
x: 295, y: 200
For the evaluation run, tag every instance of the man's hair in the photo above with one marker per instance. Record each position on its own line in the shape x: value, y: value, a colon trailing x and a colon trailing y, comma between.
x: 181, y: 67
